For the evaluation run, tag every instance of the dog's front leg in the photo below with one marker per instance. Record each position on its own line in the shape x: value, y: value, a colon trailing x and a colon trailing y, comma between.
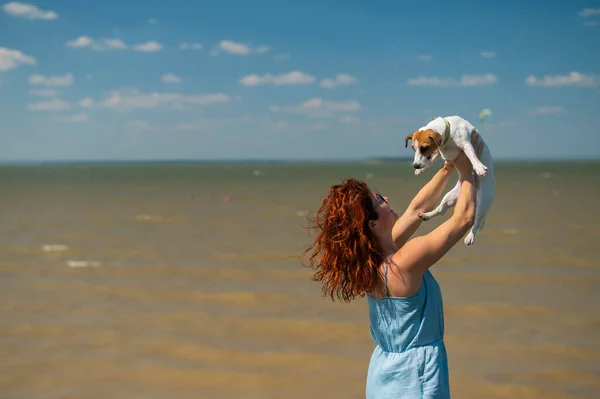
x: 434, y: 158
x: 448, y: 201
x: 469, y: 151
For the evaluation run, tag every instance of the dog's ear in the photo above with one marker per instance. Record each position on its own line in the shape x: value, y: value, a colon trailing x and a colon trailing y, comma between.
x: 437, y: 138
x: 409, y: 137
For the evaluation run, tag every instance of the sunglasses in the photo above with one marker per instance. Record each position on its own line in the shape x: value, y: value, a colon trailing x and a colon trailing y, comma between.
x: 380, y: 200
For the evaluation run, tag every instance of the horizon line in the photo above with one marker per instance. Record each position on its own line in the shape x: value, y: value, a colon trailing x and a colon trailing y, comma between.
x: 377, y: 159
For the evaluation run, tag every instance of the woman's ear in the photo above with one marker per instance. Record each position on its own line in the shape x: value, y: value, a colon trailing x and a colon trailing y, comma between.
x: 373, y: 225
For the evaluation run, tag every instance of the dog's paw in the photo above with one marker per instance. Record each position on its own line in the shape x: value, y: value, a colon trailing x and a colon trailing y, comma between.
x: 425, y: 216
x: 480, y: 169
x: 470, y: 239
x: 419, y: 171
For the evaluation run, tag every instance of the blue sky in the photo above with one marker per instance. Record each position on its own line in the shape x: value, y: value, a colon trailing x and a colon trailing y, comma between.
x: 308, y: 79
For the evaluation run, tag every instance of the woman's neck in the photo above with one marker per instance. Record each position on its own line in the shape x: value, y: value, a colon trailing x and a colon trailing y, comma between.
x: 387, y: 246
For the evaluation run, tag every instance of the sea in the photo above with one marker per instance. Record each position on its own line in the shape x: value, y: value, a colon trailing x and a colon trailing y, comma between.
x: 176, y: 280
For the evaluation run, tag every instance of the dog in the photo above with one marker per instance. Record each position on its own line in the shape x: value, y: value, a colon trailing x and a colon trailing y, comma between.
x: 446, y: 138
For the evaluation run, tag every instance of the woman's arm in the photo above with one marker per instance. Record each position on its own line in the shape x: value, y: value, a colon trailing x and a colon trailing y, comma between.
x: 421, y: 253
x: 424, y: 201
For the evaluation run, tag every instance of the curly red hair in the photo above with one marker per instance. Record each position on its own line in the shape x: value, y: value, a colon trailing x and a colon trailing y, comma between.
x: 344, y: 254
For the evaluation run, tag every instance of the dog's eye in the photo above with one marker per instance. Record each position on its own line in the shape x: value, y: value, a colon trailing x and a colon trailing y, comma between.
x: 424, y: 149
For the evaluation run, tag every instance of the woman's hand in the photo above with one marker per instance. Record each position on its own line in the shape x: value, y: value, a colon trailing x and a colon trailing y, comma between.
x: 448, y: 165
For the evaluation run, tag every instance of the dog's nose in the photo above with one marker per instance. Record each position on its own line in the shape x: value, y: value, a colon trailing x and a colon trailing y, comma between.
x: 416, y: 166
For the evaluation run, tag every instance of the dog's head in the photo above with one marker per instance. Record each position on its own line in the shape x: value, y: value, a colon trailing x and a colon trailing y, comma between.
x: 425, y: 143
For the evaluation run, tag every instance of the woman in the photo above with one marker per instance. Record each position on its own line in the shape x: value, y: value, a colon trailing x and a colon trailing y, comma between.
x: 364, y: 248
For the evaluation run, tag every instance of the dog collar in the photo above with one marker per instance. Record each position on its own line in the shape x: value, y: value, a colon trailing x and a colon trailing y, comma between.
x: 446, y: 132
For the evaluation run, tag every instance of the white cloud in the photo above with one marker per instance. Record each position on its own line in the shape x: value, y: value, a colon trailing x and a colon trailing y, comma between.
x: 152, y: 21
x: 44, y: 93
x: 431, y: 81
x: 148, y: 47
x: 488, y: 54
x: 547, y: 110
x: 81, y: 41
x: 61, y: 81
x: 281, y: 57
x: 236, y: 48
x: 478, y: 80
x: 98, y: 45
x: 591, y: 23
x: 424, y: 57
x: 589, y: 12
x: 170, y: 78
x: 28, y: 11
x: 77, y: 118
x: 86, y: 102
x: 341, y: 79
x: 53, y: 105
x: 262, y: 49
x: 572, y: 79
x: 191, y: 46
x: 208, y: 125
x: 121, y: 100
x: 289, y: 78
x: 465, y: 80
x: 10, y: 59
x: 116, y: 44
x: 317, y: 108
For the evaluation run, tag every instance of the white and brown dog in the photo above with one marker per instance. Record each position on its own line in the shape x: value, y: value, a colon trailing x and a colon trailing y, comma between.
x: 447, y: 137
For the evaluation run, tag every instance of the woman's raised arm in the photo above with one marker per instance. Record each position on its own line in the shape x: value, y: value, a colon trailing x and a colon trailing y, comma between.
x: 425, y: 200
x: 421, y: 253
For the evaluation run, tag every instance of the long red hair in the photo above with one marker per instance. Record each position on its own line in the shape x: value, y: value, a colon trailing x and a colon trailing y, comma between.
x: 344, y: 253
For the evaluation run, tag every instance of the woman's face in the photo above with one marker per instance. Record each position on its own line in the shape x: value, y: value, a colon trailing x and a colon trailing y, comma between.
x: 386, y: 217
